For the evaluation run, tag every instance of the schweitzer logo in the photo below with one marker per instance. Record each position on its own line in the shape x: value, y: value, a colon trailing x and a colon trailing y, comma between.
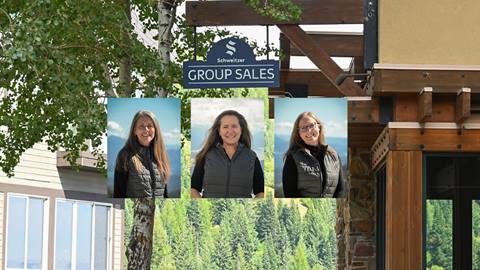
x: 231, y: 63
x: 230, y: 47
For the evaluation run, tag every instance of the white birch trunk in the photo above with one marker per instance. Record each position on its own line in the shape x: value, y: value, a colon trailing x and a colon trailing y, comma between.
x: 166, y: 19
x: 139, y: 251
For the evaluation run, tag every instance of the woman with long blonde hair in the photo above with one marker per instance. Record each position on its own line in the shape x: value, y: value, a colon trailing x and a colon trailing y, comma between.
x: 142, y: 168
x: 312, y: 168
x: 226, y: 166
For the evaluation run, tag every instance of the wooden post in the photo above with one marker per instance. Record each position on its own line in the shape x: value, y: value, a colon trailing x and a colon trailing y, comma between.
x: 425, y: 104
x: 463, y: 105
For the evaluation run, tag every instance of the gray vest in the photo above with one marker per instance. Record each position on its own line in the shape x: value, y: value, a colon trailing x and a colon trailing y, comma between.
x: 141, y: 184
x: 312, y: 182
x: 225, y: 178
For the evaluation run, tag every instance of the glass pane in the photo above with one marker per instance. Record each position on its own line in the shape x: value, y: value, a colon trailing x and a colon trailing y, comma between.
x: 469, y: 173
x: 475, y: 234
x: 84, y: 236
x: 101, y: 237
x: 440, y: 177
x: 63, y: 236
x: 439, y: 235
x: 16, y: 232
x: 35, y: 233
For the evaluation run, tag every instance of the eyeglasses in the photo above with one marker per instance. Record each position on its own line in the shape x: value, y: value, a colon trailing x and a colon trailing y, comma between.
x: 307, y: 127
x: 142, y: 127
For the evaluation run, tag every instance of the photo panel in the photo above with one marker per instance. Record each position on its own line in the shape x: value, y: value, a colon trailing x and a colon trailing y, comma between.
x: 311, y: 147
x: 227, y: 150
x: 143, y: 138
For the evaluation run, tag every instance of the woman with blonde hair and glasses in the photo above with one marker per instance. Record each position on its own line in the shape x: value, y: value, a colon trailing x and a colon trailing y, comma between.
x: 312, y: 169
x: 142, y: 168
x: 226, y: 166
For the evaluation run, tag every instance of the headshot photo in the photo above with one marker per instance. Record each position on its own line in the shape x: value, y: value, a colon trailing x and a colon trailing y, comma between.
x: 227, y: 148
x: 143, y: 138
x: 310, y: 147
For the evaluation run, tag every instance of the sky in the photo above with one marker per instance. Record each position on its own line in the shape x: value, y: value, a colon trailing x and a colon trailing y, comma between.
x: 331, y: 111
x: 167, y: 111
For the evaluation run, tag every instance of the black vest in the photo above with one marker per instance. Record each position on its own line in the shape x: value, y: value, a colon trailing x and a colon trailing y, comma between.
x: 225, y: 178
x: 146, y: 183
x: 315, y: 179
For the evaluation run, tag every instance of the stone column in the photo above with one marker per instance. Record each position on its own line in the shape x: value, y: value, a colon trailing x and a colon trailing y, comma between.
x: 355, y: 226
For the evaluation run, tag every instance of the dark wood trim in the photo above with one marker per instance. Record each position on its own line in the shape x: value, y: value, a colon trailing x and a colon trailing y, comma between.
x: 318, y: 84
x: 271, y: 108
x: 320, y: 58
x: 463, y: 105
x: 285, y: 51
x: 388, y: 81
x: 336, y: 44
x: 217, y: 13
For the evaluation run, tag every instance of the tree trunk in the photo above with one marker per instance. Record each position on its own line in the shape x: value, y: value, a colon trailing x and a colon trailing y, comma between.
x: 139, y: 252
x: 125, y: 69
x: 166, y: 19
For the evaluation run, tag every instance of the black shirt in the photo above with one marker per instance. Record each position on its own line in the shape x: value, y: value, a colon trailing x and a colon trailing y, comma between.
x: 199, y: 171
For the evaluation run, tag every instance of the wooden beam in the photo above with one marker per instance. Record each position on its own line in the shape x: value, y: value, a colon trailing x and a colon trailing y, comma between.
x: 336, y: 44
x: 388, y: 81
x: 425, y: 104
x: 218, y: 13
x: 463, y: 105
x: 320, y: 58
x: 451, y: 140
x: 404, y: 202
x: 363, y: 111
x: 318, y: 85
x: 286, y: 52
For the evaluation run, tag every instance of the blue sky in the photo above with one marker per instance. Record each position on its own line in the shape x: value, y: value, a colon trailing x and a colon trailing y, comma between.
x: 167, y: 111
x: 331, y: 111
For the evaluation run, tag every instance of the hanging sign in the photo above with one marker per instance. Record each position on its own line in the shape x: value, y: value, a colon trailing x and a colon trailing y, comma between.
x: 231, y: 63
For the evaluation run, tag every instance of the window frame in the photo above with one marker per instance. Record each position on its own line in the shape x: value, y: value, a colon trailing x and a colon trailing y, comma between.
x: 92, y: 238
x: 457, y: 236
x: 45, y: 236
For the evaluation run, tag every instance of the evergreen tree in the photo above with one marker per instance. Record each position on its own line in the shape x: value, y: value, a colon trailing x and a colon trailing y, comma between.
x: 271, y: 259
x: 222, y: 257
x: 298, y: 261
x: 267, y: 219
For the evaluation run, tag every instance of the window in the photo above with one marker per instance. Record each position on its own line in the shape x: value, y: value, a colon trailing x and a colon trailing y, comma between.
x: 82, y: 235
x: 452, y: 195
x: 26, y: 243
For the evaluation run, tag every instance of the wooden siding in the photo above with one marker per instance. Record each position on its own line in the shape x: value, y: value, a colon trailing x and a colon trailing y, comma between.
x: 117, y: 252
x: 38, y: 174
x: 404, y: 210
x: 38, y: 168
x: 2, y: 231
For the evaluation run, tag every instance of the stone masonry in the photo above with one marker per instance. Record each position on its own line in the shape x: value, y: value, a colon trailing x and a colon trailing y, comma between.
x: 356, y: 216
